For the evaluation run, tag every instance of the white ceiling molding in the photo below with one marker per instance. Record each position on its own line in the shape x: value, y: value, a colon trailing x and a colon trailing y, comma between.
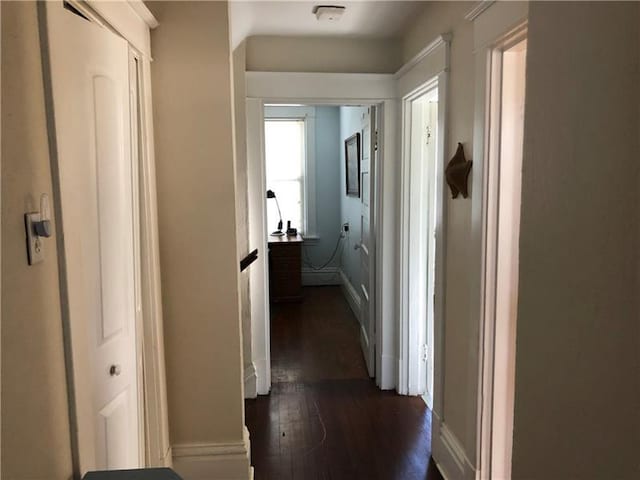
x: 503, y: 17
x: 422, y: 54
x: 433, y: 60
x: 478, y: 9
x: 144, y: 13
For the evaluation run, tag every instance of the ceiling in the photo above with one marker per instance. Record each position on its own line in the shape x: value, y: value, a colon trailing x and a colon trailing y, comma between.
x: 365, y: 18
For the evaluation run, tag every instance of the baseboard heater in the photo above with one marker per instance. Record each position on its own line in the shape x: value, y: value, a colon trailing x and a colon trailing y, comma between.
x: 248, y: 260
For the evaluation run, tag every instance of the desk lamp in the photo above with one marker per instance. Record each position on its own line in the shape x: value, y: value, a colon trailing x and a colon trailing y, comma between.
x: 278, y: 232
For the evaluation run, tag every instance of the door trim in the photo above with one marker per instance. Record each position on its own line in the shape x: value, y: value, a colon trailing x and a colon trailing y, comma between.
x: 499, y: 22
x: 491, y: 59
x: 411, y: 381
x: 328, y: 89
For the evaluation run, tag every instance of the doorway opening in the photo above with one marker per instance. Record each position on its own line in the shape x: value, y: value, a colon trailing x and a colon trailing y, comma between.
x: 422, y: 241
x: 503, y: 187
x: 420, y: 203
x: 329, y: 415
x: 320, y: 163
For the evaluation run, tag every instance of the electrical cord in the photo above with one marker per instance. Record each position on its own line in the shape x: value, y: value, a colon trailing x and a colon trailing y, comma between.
x: 309, y: 263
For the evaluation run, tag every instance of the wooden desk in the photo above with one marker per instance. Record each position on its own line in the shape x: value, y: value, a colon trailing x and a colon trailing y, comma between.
x: 285, y: 268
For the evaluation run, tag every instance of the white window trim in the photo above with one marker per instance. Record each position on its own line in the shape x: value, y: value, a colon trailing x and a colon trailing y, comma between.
x: 308, y: 114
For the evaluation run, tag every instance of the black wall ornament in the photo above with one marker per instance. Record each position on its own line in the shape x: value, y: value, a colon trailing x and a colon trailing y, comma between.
x: 457, y: 173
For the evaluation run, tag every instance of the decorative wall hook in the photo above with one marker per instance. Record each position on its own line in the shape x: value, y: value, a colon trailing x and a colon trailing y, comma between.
x: 457, y: 173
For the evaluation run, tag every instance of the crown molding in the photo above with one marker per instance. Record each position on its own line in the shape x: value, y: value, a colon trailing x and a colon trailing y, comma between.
x: 440, y: 40
x: 478, y: 9
x: 144, y: 13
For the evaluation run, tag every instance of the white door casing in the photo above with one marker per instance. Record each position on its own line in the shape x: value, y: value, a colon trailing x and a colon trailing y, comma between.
x: 89, y: 75
x: 367, y: 245
x: 418, y: 247
x: 494, y: 24
x: 329, y: 89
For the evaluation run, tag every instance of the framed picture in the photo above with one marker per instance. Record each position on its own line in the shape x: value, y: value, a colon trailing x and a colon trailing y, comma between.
x: 352, y: 164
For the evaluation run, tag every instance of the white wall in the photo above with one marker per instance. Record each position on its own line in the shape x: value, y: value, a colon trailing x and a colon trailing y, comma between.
x: 197, y: 227
x: 461, y: 331
x: 35, y: 422
x: 322, y: 54
x: 577, y: 356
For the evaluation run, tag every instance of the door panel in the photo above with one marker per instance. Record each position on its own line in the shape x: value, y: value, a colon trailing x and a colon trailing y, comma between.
x: 114, y: 208
x: 89, y: 75
x: 367, y: 316
x: 112, y: 430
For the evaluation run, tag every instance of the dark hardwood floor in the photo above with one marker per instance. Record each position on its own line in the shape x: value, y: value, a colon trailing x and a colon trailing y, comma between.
x: 325, y: 419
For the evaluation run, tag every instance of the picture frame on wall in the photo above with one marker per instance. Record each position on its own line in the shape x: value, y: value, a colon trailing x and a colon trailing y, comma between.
x: 352, y: 164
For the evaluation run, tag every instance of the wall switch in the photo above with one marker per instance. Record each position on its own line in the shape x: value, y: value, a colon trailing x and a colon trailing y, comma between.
x: 35, y: 244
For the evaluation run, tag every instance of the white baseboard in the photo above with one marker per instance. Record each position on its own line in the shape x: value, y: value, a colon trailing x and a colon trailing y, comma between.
x: 263, y: 376
x: 214, y: 461
x: 325, y: 276
x: 388, y: 373
x: 250, y: 381
x: 351, y: 294
x: 449, y: 453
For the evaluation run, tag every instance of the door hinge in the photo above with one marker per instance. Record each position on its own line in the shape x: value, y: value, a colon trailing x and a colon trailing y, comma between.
x: 375, y: 141
x: 425, y: 352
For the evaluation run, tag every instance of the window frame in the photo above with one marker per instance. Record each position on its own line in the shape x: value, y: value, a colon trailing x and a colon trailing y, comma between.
x: 308, y: 115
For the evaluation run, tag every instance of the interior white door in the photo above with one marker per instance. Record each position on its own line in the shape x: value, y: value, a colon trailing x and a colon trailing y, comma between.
x: 91, y: 94
x: 419, y: 231
x: 367, y: 256
x: 430, y: 136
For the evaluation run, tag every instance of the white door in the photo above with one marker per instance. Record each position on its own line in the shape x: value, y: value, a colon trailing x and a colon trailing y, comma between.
x: 367, y: 263
x: 419, y: 232
x: 429, y: 143
x: 90, y: 92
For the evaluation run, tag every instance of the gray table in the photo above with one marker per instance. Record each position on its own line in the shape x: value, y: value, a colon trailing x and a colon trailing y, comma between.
x: 144, y: 474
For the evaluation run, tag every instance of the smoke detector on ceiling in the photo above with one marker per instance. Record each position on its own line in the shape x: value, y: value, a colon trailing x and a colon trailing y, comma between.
x: 328, y: 13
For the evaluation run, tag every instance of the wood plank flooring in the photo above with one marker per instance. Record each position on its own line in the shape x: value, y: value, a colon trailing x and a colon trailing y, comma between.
x: 325, y: 419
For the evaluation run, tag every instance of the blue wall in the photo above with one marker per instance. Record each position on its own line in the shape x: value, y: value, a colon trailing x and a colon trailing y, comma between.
x: 327, y: 141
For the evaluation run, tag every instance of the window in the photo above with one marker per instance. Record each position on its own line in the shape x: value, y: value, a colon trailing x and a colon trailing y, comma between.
x: 290, y: 166
x: 285, y: 155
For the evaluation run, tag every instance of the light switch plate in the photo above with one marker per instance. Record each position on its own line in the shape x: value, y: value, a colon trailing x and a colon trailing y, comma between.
x: 35, y: 245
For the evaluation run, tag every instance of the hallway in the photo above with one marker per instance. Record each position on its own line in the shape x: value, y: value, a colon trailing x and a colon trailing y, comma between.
x: 324, y: 418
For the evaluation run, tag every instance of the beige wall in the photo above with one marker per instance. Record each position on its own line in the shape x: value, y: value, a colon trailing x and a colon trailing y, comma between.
x: 242, y: 205
x: 322, y: 54
x: 460, y: 376
x: 35, y: 423
x: 196, y: 207
x: 577, y: 367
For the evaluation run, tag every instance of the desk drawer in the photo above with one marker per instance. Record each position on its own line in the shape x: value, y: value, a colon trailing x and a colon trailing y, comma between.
x: 285, y: 272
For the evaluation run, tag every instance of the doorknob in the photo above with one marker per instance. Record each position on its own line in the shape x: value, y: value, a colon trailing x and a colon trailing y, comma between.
x: 115, y: 370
